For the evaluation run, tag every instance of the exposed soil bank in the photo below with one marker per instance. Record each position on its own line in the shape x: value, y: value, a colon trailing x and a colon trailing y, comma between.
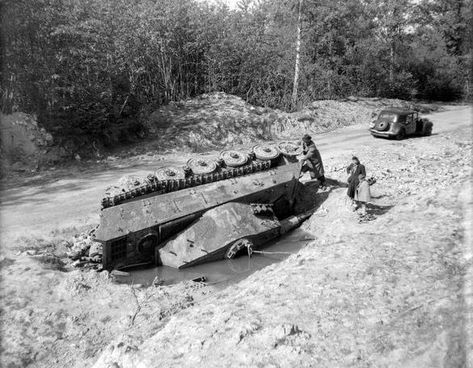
x: 217, y: 120
x: 392, y: 292
x: 387, y: 293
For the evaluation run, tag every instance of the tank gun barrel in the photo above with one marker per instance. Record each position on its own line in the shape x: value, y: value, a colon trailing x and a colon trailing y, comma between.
x: 294, y: 221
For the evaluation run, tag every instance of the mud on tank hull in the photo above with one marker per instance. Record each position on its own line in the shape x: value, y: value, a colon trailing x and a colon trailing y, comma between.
x: 142, y: 229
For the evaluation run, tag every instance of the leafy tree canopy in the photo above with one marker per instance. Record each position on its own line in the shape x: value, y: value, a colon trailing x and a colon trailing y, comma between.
x: 88, y: 66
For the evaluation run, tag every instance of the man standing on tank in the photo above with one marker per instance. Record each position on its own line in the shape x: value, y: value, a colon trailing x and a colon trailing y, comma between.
x: 312, y: 161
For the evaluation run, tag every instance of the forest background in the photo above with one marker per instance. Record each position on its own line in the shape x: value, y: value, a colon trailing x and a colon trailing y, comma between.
x: 84, y: 67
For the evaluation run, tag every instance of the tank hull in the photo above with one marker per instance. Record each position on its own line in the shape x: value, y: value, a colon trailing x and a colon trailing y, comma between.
x: 125, y: 228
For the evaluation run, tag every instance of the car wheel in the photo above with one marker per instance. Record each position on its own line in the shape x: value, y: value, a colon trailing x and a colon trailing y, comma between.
x: 428, y: 131
x: 401, y: 135
x: 382, y: 126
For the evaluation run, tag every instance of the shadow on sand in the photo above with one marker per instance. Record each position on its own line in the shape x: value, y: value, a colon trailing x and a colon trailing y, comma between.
x: 311, y: 190
x: 311, y: 197
x: 377, y: 210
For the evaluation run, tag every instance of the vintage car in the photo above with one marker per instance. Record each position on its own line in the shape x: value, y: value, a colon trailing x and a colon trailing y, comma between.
x: 399, y: 123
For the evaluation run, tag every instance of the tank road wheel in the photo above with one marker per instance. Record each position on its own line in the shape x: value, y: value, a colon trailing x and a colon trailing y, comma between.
x: 241, y: 246
x: 234, y: 158
x: 290, y: 149
x: 265, y: 152
x: 401, y: 135
x: 169, y: 172
x: 202, y: 165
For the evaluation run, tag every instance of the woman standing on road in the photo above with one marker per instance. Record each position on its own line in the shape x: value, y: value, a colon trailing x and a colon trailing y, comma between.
x: 363, y: 193
x: 354, y: 171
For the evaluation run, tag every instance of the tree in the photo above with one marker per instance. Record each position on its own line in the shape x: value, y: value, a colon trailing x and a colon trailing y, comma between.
x: 90, y: 69
x: 298, y: 55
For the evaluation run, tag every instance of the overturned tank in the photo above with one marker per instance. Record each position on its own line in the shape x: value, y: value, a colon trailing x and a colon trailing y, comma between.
x: 213, y: 208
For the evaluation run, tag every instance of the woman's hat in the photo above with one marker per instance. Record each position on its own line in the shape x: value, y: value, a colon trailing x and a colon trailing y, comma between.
x: 306, y: 137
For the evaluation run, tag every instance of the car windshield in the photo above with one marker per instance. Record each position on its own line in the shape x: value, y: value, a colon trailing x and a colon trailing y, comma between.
x: 386, y: 115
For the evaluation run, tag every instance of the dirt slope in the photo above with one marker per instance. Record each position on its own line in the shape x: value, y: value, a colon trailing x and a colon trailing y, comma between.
x: 392, y: 292
x: 387, y: 293
x: 217, y: 120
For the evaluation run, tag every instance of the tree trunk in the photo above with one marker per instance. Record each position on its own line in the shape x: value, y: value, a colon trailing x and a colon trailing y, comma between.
x: 391, y: 64
x: 298, y: 57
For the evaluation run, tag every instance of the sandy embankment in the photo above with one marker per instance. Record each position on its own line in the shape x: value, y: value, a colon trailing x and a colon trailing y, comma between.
x: 387, y: 293
x: 217, y: 120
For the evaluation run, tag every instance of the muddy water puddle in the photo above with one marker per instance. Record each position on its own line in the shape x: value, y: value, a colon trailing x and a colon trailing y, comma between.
x: 225, y: 272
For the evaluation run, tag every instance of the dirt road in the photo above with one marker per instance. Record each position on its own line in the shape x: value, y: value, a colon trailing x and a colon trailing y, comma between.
x: 75, y: 200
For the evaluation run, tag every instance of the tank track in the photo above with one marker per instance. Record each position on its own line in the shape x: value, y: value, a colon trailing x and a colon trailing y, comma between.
x: 165, y: 186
